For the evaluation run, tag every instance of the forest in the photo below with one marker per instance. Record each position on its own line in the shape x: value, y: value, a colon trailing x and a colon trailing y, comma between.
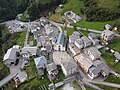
x: 102, y: 10
x: 94, y: 11
x: 10, y: 8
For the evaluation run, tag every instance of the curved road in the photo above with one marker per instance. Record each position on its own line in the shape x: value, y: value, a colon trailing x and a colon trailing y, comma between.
x: 102, y: 83
x: 7, y: 79
x: 93, y: 86
x: 85, y: 29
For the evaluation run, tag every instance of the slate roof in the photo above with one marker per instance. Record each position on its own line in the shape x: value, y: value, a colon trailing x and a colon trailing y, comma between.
x: 98, y: 69
x: 68, y: 64
x: 108, y: 32
x: 74, y: 36
x: 31, y: 50
x: 74, y: 47
x: 94, y: 51
x: 79, y: 41
x: 93, y: 36
x: 81, y: 58
x: 51, y: 67
x: 117, y: 55
x: 11, y: 54
x: 86, y: 40
x: 61, y: 38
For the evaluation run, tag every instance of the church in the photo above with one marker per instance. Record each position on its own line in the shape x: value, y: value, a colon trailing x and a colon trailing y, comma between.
x: 61, y: 42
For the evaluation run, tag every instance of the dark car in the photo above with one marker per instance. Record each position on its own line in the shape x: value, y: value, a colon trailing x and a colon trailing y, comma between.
x: 16, y: 62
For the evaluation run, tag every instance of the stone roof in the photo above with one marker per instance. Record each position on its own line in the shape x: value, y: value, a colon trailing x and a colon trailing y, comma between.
x: 40, y: 71
x: 97, y: 62
x: 98, y: 69
x: 74, y: 36
x: 86, y: 40
x: 81, y: 58
x: 41, y: 40
x: 51, y: 30
x: 50, y: 67
x: 37, y: 33
x: 108, y: 32
x: 93, y: 36
x: 68, y: 64
x: 31, y: 50
x: 74, y: 47
x: 95, y: 40
x: 79, y: 41
x: 108, y: 26
x: 48, y: 46
x: 117, y: 55
x: 92, y: 50
x: 53, y: 34
x: 11, y: 54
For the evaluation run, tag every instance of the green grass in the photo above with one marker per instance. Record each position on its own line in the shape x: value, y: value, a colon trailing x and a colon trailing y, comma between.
x: 110, y: 59
x: 115, y: 45
x: 89, y: 88
x: 56, y: 18
x: 24, y: 18
x: 85, y: 32
x: 61, y: 75
x: 59, y: 88
x: 113, y: 79
x: 92, y: 25
x: 116, y: 67
x: 5, y: 30
x: 70, y: 31
x: 31, y: 38
x: 76, y: 86
x: 107, y: 87
x: 112, y: 5
x: 73, y: 5
x: 34, y: 81
x: 31, y: 70
x: 20, y: 40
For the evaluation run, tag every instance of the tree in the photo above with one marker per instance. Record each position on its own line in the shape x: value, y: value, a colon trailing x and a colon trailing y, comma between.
x: 117, y: 24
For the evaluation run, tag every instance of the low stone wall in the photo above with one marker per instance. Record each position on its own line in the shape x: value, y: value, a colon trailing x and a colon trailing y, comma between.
x: 70, y: 79
x: 66, y: 81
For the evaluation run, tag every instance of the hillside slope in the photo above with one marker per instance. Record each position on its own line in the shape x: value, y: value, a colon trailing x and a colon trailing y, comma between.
x: 10, y: 8
x: 101, y: 10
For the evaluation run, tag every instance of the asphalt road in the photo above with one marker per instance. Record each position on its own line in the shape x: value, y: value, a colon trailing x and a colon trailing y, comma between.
x: 93, y: 86
x: 103, y: 83
x: 7, y: 79
x: 85, y: 29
